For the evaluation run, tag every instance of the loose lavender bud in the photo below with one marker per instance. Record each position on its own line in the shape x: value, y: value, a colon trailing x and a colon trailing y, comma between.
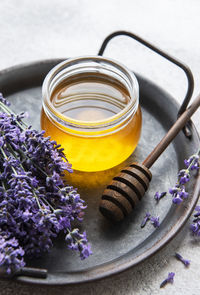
x: 159, y: 196
x: 198, y: 211
x: 184, y: 261
x: 155, y: 221
x: 169, y: 279
x: 146, y: 218
x: 195, y: 226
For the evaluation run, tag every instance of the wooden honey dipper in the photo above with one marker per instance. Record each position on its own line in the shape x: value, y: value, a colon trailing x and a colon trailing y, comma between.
x: 128, y: 188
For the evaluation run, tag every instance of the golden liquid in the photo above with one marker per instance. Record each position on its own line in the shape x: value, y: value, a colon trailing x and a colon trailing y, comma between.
x: 93, y: 99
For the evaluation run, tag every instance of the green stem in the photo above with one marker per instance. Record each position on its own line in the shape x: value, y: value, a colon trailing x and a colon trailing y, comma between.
x: 38, y: 167
x: 9, y: 112
x: 13, y: 152
x: 37, y: 200
x: 78, y: 241
x: 33, y: 189
x: 45, y: 200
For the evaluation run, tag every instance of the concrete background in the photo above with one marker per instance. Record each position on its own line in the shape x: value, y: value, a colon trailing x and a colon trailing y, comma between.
x: 35, y: 30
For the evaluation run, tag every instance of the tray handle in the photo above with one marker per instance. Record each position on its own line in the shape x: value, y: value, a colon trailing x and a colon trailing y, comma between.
x: 172, y: 59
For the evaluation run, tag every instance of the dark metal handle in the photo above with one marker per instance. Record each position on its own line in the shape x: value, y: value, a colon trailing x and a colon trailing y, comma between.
x: 33, y: 272
x: 177, y: 62
x: 40, y: 273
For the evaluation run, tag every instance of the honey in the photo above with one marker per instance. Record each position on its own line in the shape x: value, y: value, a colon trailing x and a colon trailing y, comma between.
x: 92, y: 114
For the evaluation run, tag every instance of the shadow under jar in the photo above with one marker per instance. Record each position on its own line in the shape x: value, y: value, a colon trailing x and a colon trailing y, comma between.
x: 91, y: 107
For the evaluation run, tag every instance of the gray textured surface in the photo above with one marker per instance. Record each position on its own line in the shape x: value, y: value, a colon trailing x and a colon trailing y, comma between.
x: 32, y: 30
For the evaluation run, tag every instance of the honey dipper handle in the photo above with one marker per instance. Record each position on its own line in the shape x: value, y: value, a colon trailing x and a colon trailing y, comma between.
x: 174, y: 130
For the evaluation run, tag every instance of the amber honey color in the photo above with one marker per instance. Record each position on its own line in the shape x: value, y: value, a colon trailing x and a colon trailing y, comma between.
x: 90, y: 100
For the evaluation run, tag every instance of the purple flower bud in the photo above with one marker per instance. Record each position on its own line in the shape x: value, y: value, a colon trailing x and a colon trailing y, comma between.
x: 178, y: 194
x: 192, y: 162
x: 184, y: 176
x: 3, y: 100
x: 11, y: 255
x: 146, y: 218
x: 195, y: 227
x: 184, y: 261
x: 197, y: 208
x: 173, y: 190
x: 169, y: 279
x: 177, y: 200
x: 85, y: 252
x: 155, y: 221
x: 159, y: 196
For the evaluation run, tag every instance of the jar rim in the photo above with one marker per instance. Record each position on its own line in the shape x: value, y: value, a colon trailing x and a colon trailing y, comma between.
x: 131, y: 107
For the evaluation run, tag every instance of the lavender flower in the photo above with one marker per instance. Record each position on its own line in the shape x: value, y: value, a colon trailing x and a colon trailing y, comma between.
x: 178, y: 192
x: 159, y: 196
x: 11, y: 255
x: 184, y: 176
x: 169, y: 279
x: 184, y: 261
x: 146, y: 218
x: 195, y: 226
x: 78, y: 242
x: 193, y: 162
x: 35, y: 203
x: 155, y: 221
x: 198, y: 211
x: 4, y: 100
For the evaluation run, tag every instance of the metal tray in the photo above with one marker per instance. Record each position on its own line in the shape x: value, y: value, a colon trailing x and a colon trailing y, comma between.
x: 115, y: 247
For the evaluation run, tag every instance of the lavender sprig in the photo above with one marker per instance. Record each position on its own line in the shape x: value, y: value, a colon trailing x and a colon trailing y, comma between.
x: 78, y: 242
x: 35, y: 202
x: 178, y: 192
x: 11, y: 255
x: 169, y: 279
x: 193, y: 162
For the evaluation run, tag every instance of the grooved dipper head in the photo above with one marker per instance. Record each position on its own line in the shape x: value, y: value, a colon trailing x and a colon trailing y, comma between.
x: 125, y: 191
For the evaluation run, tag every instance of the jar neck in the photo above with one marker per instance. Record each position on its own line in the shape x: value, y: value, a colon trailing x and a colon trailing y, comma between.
x: 92, y: 65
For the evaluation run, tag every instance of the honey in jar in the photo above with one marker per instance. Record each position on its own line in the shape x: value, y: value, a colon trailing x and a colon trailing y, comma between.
x: 91, y: 107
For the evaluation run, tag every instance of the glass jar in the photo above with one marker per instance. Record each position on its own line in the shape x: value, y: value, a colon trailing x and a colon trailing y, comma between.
x: 91, y: 107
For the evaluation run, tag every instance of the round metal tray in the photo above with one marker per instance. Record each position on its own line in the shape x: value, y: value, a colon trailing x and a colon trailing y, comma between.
x: 120, y: 246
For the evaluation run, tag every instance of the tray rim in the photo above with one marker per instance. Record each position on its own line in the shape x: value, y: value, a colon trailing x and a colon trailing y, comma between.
x: 148, y: 253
